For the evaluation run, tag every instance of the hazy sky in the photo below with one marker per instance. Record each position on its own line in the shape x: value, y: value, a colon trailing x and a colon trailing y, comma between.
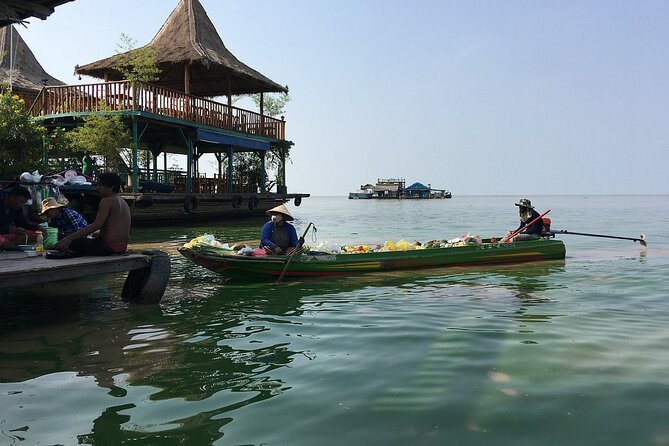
x: 475, y: 96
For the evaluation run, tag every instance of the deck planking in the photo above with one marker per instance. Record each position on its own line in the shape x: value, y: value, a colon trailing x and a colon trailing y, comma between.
x: 17, y: 270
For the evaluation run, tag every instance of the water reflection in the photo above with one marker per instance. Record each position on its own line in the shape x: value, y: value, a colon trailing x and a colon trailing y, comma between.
x: 160, y: 372
x: 182, y: 371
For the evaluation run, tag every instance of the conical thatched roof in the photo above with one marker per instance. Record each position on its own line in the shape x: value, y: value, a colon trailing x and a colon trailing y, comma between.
x: 27, y: 74
x: 188, y: 41
x: 16, y: 11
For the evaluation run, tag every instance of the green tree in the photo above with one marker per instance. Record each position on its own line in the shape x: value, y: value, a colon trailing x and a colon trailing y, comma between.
x: 136, y: 64
x: 274, y: 106
x: 21, y: 139
x: 105, y: 134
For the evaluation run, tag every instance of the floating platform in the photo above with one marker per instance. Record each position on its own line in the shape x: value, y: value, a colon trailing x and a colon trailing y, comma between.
x: 148, y: 271
x: 154, y: 208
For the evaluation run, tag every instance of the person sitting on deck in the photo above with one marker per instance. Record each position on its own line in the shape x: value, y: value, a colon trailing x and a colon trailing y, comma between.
x: 277, y: 235
x: 14, y: 228
x: 527, y: 215
x: 112, y: 220
x: 68, y: 221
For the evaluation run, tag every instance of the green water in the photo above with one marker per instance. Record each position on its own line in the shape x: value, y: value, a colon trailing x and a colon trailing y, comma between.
x: 551, y: 353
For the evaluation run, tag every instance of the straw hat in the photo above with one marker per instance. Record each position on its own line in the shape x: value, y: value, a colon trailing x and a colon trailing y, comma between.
x: 50, y: 203
x: 524, y: 202
x: 281, y: 209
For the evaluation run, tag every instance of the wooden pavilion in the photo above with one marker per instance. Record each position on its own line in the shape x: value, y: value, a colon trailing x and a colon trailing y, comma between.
x: 176, y: 114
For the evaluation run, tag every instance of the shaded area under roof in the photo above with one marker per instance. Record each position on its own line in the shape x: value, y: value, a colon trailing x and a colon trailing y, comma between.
x: 16, y: 11
x: 192, y: 58
x: 19, y: 64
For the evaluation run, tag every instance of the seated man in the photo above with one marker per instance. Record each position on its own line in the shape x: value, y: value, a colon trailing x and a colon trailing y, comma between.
x: 68, y: 221
x: 277, y: 235
x: 528, y: 215
x: 14, y: 228
x: 112, y: 220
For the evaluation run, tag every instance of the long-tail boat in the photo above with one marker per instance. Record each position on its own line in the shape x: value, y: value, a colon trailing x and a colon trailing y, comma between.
x: 237, y: 266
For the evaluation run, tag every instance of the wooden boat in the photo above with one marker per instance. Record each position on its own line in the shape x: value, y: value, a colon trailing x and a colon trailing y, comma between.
x: 233, y: 265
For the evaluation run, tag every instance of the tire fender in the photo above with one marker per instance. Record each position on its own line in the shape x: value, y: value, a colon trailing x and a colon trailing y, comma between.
x: 297, y: 200
x: 236, y: 201
x: 147, y: 285
x: 253, y: 202
x: 143, y: 202
x: 190, y: 204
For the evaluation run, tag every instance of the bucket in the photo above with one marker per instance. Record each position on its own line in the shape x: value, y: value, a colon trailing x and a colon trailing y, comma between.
x: 50, y: 237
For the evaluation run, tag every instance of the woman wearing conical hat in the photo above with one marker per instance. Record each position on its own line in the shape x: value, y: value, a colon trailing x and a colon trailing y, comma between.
x: 277, y: 235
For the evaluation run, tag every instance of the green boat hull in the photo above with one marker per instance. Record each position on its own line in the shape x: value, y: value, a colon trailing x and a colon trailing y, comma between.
x: 305, y: 265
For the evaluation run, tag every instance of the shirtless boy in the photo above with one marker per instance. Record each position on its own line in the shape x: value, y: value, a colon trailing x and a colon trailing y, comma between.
x: 112, y: 220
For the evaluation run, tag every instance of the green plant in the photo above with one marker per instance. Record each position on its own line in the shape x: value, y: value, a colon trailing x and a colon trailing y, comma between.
x: 21, y: 139
x: 136, y: 64
x: 105, y: 134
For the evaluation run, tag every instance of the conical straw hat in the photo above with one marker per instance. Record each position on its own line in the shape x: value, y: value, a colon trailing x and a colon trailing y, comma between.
x: 281, y: 209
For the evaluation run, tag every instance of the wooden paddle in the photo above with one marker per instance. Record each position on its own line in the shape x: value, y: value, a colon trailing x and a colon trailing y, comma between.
x: 641, y: 239
x: 508, y: 238
x: 300, y: 243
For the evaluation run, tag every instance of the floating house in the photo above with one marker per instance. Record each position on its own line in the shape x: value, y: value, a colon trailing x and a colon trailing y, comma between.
x: 394, y: 188
x: 177, y: 115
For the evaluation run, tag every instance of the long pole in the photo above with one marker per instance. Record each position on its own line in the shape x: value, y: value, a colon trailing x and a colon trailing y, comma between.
x: 297, y: 248
x: 641, y: 239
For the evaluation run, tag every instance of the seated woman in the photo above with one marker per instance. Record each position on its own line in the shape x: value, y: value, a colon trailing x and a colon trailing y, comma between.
x: 15, y: 229
x: 68, y: 221
x: 277, y: 235
x: 528, y: 215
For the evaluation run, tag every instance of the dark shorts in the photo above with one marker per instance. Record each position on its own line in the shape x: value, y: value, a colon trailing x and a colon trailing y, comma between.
x: 91, y: 247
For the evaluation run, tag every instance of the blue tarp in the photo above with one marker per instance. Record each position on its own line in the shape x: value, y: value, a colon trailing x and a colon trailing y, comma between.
x: 230, y: 140
x: 417, y: 186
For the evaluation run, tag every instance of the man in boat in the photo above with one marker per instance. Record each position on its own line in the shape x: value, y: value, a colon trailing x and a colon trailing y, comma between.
x: 112, y: 220
x: 277, y: 235
x: 527, y: 215
x: 68, y: 221
x: 14, y: 228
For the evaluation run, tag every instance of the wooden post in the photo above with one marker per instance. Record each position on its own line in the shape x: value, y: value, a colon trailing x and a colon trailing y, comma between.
x: 262, y: 114
x: 229, y: 124
x: 187, y: 78
x: 135, y: 155
x: 263, y: 180
x: 230, y: 153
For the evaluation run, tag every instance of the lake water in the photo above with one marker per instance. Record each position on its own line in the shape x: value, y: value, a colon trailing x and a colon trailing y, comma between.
x: 551, y: 353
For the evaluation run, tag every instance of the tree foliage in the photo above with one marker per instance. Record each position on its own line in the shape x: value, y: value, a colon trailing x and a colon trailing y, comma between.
x: 104, y: 134
x: 274, y: 105
x: 136, y: 64
x: 21, y: 139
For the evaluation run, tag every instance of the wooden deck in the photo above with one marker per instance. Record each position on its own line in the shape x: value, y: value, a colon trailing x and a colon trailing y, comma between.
x: 129, y: 96
x: 16, y: 269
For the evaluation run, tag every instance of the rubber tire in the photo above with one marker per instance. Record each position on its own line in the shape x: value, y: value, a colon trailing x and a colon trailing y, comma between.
x: 253, y: 202
x: 147, y: 285
x: 236, y: 201
x: 143, y: 202
x: 190, y: 204
x: 297, y: 201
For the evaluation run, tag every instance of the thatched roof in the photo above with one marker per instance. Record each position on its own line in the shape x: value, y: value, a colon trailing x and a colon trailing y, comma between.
x: 16, y: 11
x: 27, y: 74
x: 189, y: 39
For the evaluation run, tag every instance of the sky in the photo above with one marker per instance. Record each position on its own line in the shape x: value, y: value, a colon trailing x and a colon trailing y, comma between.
x: 480, y: 97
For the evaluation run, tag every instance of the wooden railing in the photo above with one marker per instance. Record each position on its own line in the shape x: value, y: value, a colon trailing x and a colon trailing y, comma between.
x: 128, y: 96
x: 203, y: 185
